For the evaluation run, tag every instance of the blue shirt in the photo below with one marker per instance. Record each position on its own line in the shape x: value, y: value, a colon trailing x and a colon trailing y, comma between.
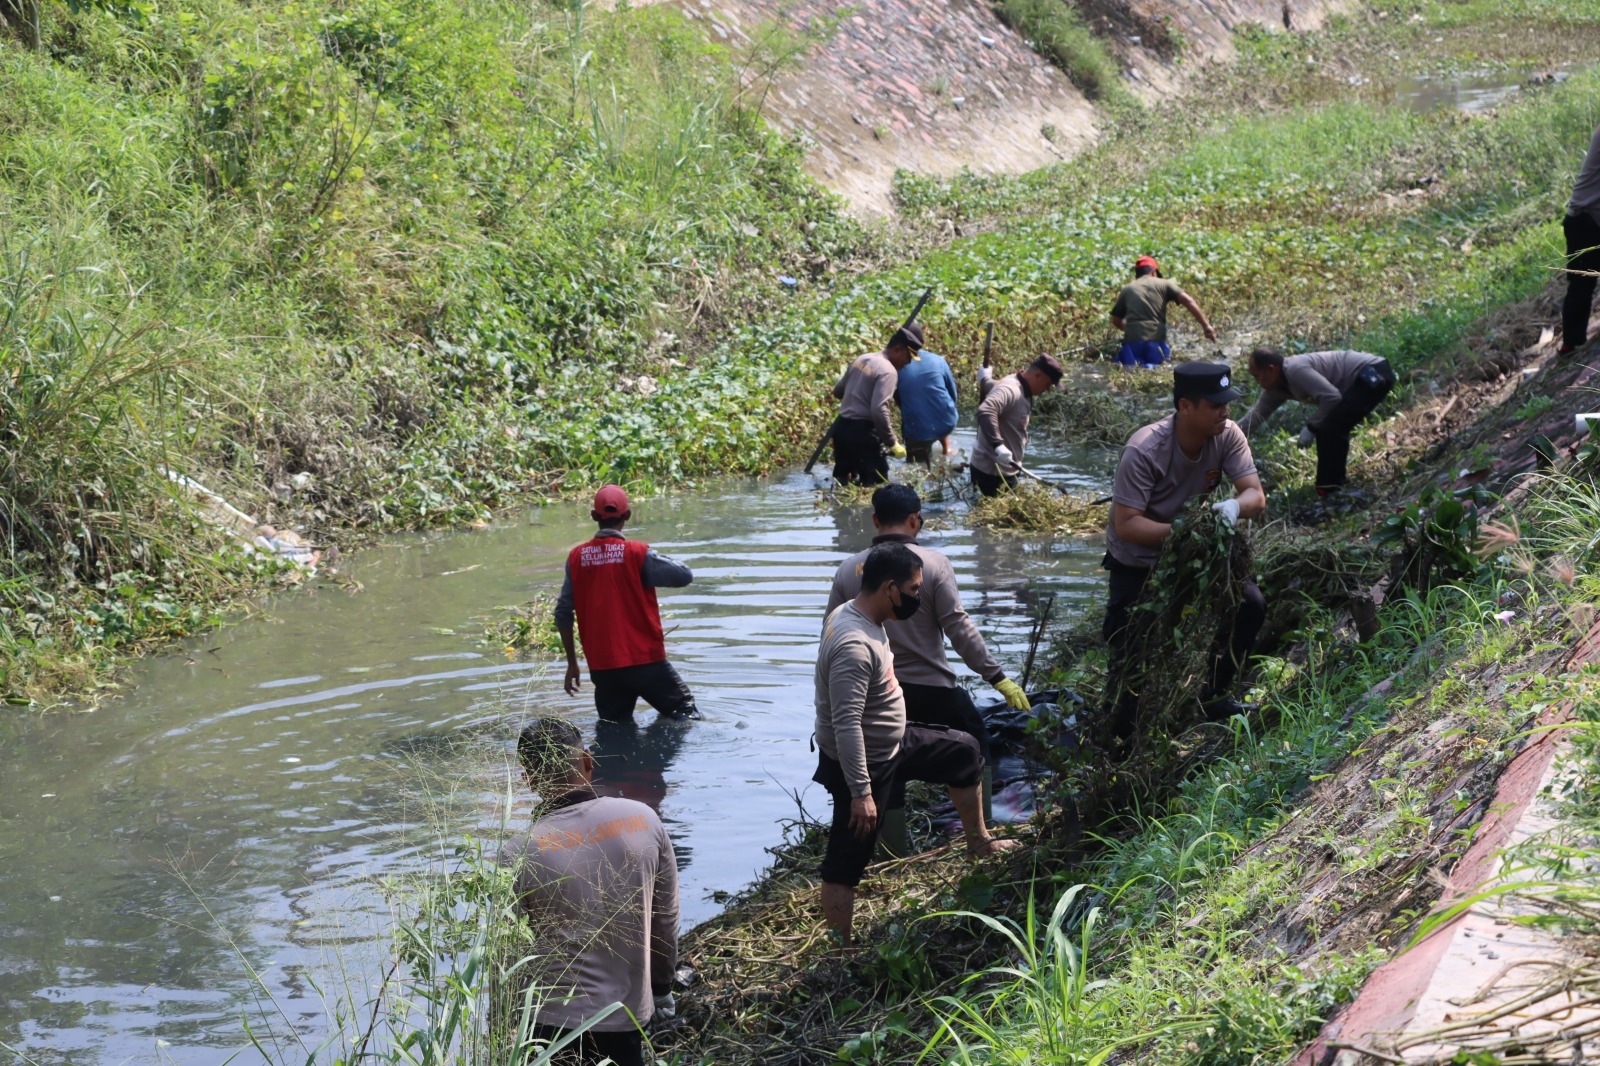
x: 927, y: 395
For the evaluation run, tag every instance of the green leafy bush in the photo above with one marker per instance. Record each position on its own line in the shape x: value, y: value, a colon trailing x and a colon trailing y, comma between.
x: 1057, y: 31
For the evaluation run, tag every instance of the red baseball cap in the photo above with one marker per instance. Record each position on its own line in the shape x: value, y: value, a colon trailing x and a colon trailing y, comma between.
x: 1146, y: 261
x: 611, y: 502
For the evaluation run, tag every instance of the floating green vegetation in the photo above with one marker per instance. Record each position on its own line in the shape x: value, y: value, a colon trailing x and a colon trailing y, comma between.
x: 528, y: 627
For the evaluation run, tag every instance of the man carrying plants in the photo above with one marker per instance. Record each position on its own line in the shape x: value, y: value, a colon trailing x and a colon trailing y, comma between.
x: 927, y: 398
x: 865, y: 746
x: 928, y: 683
x: 1345, y: 385
x: 1162, y: 467
x: 1003, y: 424
x: 863, y: 435
x: 597, y: 881
x: 610, y: 586
x: 1141, y: 314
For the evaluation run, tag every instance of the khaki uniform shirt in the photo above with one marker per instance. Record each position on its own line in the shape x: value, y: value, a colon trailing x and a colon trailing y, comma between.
x: 861, y: 712
x: 1321, y: 378
x: 918, y: 642
x: 865, y: 392
x: 1003, y: 419
x: 1142, y: 306
x: 1586, y: 193
x: 598, y: 883
x: 1155, y: 477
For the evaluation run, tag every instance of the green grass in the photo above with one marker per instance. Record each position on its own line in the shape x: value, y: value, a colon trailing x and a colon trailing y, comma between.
x: 1057, y: 31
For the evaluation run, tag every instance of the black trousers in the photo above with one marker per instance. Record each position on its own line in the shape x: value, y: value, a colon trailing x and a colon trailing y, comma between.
x: 948, y: 708
x: 1233, y: 643
x: 991, y: 484
x: 1333, y: 436
x: 624, y: 1048
x: 858, y: 456
x: 927, y: 753
x: 618, y: 691
x: 1583, y: 253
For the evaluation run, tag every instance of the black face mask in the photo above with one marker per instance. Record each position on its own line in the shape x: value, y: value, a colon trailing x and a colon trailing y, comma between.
x: 907, y: 606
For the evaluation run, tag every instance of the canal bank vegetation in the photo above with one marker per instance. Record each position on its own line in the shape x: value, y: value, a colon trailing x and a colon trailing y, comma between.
x: 1216, y: 898
x: 400, y: 264
x: 355, y: 266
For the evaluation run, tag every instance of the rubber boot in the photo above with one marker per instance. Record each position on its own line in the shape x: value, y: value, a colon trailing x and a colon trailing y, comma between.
x: 893, y: 841
x: 988, y: 795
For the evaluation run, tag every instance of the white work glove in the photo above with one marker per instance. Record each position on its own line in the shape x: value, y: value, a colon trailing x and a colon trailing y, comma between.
x: 1003, y: 458
x: 1306, y: 438
x: 1228, y: 511
x: 666, y: 1009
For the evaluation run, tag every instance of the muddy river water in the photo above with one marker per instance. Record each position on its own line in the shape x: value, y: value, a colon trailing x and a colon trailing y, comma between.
x: 234, y: 809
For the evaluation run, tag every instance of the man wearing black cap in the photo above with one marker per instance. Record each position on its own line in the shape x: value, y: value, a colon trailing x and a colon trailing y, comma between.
x: 863, y: 434
x: 1163, y: 466
x: 610, y: 589
x: 1003, y: 424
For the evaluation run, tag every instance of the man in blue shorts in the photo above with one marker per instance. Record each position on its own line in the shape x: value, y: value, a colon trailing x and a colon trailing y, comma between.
x: 1141, y: 314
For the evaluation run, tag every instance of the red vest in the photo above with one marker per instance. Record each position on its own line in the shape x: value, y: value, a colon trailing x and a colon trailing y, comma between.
x: 618, y: 619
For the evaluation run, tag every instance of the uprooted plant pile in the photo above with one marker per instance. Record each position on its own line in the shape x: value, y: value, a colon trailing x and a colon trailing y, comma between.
x: 1035, y: 508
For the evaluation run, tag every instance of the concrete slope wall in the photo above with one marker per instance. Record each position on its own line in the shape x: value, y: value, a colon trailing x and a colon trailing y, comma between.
x: 936, y: 85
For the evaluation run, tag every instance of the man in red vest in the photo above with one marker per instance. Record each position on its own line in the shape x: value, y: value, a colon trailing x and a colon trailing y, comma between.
x: 611, y: 586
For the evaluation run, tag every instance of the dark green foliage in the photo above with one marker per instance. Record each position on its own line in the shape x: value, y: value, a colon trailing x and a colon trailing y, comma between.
x: 1193, y: 593
x: 1438, y: 533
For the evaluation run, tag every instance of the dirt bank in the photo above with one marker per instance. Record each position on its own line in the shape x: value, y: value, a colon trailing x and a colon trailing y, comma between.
x: 935, y: 87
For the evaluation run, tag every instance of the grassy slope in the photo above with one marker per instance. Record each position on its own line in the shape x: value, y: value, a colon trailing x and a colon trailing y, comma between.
x: 360, y: 265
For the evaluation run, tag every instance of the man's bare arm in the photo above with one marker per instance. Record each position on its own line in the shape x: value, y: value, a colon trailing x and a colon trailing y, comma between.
x: 1135, y: 527
x: 1199, y: 316
x: 1252, y: 497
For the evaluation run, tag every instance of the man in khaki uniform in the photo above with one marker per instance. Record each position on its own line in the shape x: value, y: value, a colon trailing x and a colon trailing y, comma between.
x: 597, y: 880
x: 865, y: 745
x: 1141, y: 314
x: 1003, y: 424
x: 1345, y: 385
x: 932, y: 695
x: 1162, y: 467
x: 863, y: 434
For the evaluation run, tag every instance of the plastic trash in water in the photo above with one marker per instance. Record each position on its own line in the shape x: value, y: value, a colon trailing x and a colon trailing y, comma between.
x: 787, y: 282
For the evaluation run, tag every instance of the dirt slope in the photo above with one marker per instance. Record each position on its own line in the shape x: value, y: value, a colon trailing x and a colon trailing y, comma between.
x: 936, y: 85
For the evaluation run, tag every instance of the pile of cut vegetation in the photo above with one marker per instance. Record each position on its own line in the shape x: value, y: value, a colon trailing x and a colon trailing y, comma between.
x: 1035, y: 508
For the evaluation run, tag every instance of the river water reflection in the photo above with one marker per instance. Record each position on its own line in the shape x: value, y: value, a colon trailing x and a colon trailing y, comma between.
x: 235, y: 809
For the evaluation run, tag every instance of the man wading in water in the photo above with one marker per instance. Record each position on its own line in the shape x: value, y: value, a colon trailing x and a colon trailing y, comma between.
x: 597, y: 881
x: 865, y: 745
x: 1003, y: 416
x: 863, y: 434
x: 611, y: 587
